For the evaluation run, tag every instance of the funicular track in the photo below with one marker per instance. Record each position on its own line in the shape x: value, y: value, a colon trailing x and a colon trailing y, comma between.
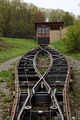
x: 41, y: 96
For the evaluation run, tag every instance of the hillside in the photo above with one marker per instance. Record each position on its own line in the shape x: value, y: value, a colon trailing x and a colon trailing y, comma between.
x: 11, y: 48
x: 60, y: 46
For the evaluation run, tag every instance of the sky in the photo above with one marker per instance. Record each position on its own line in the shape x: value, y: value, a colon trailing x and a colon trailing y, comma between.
x: 71, y: 6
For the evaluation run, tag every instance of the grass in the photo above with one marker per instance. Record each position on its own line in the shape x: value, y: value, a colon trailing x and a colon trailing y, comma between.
x: 6, y: 77
x: 3, y: 95
x: 10, y: 47
x: 59, y: 45
x: 13, y: 47
x: 7, y: 100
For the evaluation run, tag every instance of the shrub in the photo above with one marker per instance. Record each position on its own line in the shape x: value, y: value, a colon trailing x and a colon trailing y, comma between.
x: 72, y: 38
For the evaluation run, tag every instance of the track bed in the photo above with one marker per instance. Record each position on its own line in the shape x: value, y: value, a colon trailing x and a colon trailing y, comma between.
x: 41, y: 84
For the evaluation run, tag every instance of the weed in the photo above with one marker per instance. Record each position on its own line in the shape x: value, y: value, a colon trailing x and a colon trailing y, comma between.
x: 4, y: 106
x: 3, y: 94
x: 5, y: 116
x: 7, y: 85
x: 7, y: 100
x: 1, y: 80
x: 6, y: 75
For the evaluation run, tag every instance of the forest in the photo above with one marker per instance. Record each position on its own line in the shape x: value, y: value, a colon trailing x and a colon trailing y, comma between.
x: 17, y: 18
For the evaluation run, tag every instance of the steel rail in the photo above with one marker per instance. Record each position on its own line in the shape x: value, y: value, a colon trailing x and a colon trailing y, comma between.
x: 27, y: 98
x: 53, y: 96
x: 23, y: 107
x: 17, y: 91
x: 39, y: 74
x: 65, y: 92
x: 43, y: 76
x: 67, y: 112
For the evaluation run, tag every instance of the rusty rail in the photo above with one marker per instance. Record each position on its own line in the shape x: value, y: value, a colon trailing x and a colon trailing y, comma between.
x: 15, y: 102
x: 66, y: 98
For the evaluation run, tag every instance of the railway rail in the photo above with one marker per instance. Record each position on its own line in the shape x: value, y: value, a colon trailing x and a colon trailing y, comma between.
x: 41, y: 96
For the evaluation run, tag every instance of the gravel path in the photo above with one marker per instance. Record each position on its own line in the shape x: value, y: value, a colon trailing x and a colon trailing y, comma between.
x: 8, y: 64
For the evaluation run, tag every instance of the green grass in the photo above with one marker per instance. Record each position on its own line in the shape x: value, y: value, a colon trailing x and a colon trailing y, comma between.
x: 60, y: 46
x: 7, y: 100
x: 10, y: 47
x: 6, y: 76
x: 13, y: 47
